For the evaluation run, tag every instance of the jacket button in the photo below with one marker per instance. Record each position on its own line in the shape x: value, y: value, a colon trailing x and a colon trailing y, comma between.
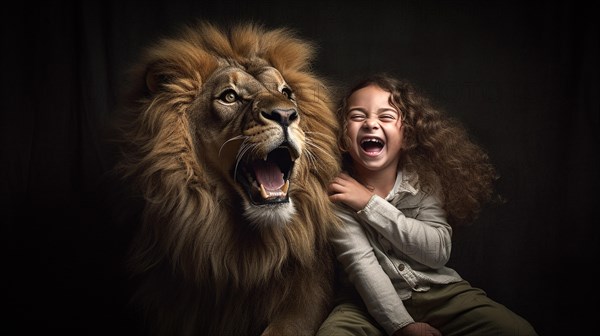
x: 401, y: 267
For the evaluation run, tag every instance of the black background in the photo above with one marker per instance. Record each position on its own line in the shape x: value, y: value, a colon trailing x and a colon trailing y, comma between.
x: 522, y: 76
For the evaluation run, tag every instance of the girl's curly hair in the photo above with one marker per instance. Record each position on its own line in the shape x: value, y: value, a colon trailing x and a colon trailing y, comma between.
x: 435, y: 146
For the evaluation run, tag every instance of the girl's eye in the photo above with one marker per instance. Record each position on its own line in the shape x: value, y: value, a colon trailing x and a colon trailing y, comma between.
x: 357, y: 117
x: 229, y: 96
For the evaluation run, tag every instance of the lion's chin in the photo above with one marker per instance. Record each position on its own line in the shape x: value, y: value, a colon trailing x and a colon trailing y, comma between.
x: 270, y: 215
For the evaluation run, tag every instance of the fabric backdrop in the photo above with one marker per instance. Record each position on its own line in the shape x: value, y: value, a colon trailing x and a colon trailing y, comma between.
x: 522, y: 76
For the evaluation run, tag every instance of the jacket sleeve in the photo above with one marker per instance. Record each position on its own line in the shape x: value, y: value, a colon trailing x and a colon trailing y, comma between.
x: 426, y: 238
x: 356, y: 255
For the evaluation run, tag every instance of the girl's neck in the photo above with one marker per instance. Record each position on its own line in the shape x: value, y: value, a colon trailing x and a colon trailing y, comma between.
x: 380, y: 182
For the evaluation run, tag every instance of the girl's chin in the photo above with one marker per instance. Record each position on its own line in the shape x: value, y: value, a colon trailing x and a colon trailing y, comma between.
x: 372, y: 164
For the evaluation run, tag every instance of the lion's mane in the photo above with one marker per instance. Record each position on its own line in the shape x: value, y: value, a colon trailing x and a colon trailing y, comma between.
x: 200, y: 265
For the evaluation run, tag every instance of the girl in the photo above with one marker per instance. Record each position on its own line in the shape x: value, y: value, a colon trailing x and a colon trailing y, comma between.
x: 410, y: 173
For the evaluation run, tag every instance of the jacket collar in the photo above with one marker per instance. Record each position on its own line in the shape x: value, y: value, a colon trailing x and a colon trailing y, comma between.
x: 406, y: 181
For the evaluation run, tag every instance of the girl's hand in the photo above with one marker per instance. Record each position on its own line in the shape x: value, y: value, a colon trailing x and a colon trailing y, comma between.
x: 347, y: 190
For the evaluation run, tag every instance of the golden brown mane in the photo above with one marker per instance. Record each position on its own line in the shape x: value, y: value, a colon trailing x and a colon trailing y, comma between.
x: 198, y: 259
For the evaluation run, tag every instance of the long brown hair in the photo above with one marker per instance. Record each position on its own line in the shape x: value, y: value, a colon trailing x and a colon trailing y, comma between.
x: 436, y: 147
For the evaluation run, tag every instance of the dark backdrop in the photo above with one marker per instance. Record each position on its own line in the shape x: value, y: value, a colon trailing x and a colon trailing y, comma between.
x: 522, y: 76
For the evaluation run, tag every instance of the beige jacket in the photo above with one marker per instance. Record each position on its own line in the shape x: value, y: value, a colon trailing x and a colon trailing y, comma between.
x: 393, y: 247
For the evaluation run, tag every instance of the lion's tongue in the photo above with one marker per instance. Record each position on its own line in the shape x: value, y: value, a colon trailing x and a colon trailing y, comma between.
x: 269, y: 175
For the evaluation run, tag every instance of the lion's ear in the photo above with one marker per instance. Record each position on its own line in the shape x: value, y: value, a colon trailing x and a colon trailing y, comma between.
x: 152, y: 81
x: 155, y: 77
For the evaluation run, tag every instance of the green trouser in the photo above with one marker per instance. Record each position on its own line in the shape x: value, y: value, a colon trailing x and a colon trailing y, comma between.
x: 454, y: 309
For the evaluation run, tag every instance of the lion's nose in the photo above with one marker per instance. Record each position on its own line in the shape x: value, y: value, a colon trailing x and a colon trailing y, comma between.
x: 282, y: 117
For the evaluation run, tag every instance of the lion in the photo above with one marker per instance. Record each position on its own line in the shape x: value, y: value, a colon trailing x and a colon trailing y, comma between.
x: 229, y: 138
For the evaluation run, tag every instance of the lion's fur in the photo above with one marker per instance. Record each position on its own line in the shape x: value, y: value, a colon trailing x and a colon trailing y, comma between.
x: 202, y: 266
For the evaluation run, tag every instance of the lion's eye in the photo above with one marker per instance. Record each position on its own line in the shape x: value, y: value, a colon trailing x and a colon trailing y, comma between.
x: 287, y: 92
x: 229, y: 96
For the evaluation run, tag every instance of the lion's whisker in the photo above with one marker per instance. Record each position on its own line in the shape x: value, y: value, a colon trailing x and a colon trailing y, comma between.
x: 313, y: 132
x: 241, y: 136
x: 310, y: 143
x: 245, y: 147
x: 310, y: 157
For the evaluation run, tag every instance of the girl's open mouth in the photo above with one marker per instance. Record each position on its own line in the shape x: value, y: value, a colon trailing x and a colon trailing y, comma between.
x: 372, y: 145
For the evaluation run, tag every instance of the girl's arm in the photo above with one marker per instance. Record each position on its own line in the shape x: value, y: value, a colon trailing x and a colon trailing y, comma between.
x: 426, y: 238
x: 356, y: 255
x: 421, y: 233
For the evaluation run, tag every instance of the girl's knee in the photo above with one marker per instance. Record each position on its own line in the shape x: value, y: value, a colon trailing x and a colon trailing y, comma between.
x: 349, y: 320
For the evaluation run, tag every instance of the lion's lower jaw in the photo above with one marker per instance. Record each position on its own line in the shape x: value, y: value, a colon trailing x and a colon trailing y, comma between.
x: 271, y: 215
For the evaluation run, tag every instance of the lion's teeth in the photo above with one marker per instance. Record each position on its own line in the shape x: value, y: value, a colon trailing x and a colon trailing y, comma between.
x: 275, y: 193
x: 263, y: 192
x: 285, y: 187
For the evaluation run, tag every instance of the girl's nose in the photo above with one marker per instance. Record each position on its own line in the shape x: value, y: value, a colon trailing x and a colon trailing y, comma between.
x: 371, y: 123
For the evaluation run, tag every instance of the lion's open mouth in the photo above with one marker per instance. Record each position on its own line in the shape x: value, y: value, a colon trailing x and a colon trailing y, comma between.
x: 266, y: 181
